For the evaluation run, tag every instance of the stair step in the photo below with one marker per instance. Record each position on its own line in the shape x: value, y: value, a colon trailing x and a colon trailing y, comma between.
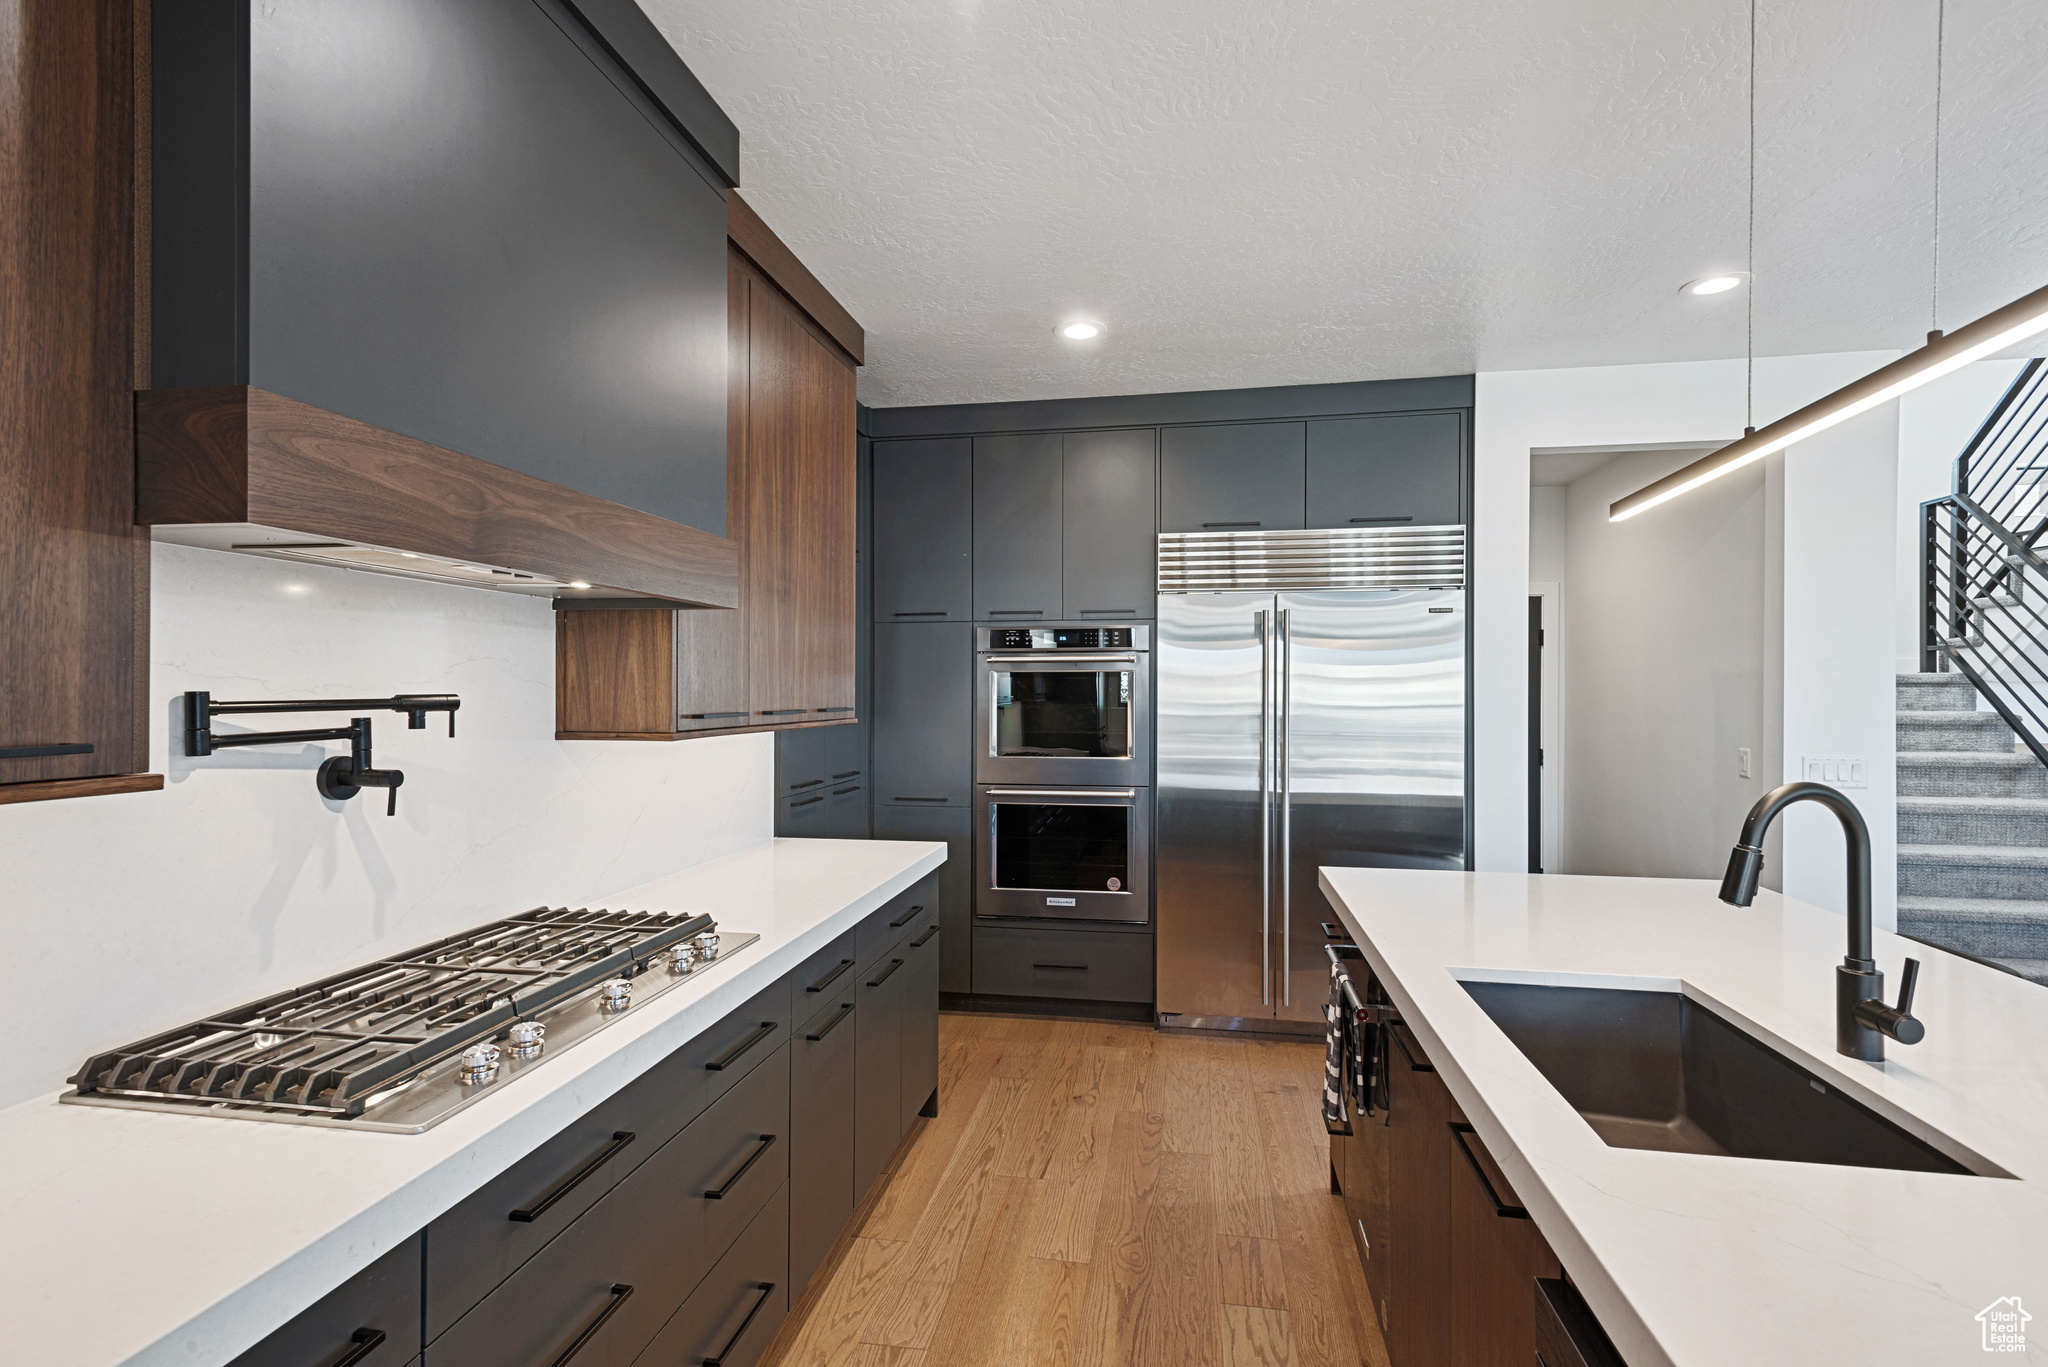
x: 1971, y: 773
x: 1935, y: 693
x: 1973, y: 821
x: 1987, y: 928
x: 1932, y: 730
x: 1995, y: 872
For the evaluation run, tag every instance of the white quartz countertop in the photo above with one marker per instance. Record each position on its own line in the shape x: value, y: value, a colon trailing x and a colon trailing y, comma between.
x: 135, y: 1237
x: 1690, y: 1259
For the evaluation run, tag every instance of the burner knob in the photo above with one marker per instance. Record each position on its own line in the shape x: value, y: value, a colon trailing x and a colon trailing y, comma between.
x: 707, y: 945
x: 526, y: 1038
x: 478, y: 1064
x: 616, y: 995
x: 682, y: 958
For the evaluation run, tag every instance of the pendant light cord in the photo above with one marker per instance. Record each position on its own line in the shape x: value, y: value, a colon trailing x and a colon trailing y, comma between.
x: 1749, y: 263
x: 1940, y: 54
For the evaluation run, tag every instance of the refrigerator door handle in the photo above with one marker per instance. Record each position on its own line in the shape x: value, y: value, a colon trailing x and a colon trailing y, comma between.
x: 1280, y: 746
x: 1265, y: 811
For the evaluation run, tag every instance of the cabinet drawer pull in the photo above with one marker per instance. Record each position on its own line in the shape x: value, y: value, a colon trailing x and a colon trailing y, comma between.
x: 1459, y: 1129
x: 829, y: 1026
x: 831, y: 709
x: 1218, y: 526
x: 894, y: 964
x: 1071, y: 968
x: 782, y: 711
x: 919, y: 942
x: 526, y: 1215
x: 850, y: 773
x: 917, y: 614
x: 620, y: 1293
x: 45, y: 752
x: 1109, y: 612
x: 766, y: 1289
x: 1016, y: 612
x: 707, y: 716
x: 807, y: 783
x: 1405, y: 517
x: 805, y: 803
x: 842, y: 792
x: 719, y: 1192
x: 920, y: 799
x: 826, y: 981
x: 731, y: 1056
x: 905, y: 919
x: 366, y: 1342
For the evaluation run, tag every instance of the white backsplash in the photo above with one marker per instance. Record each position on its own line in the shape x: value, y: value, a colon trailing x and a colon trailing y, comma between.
x: 124, y: 915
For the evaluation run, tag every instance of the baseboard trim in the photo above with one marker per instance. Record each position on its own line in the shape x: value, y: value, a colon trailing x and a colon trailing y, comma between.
x: 1063, y: 1007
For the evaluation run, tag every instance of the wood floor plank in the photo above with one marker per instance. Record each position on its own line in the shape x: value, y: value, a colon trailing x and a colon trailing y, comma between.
x: 1176, y: 1319
x: 830, y: 1330
x: 1120, y: 1264
x: 1256, y: 1337
x: 1184, y: 1066
x: 1074, y: 1175
x: 1251, y: 1271
x: 1041, y: 1114
x: 971, y: 1119
x: 874, y: 1355
x: 1244, y: 1181
x: 985, y: 1279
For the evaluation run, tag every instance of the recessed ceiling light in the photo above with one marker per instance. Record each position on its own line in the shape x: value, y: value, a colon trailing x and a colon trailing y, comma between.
x: 578, y: 584
x: 1712, y: 284
x: 1081, y: 330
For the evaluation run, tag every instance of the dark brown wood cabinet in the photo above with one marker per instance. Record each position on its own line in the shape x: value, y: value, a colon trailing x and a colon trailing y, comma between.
x: 73, y: 647
x: 1418, y: 1301
x: 785, y: 657
x: 1497, y: 1254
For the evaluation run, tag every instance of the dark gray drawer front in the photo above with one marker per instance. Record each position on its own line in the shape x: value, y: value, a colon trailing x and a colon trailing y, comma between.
x: 739, y: 1149
x: 1014, y: 961
x: 884, y: 929
x: 817, y: 978
x: 734, y: 1047
x: 733, y: 1314
x: 821, y: 1091
x: 384, y: 1298
x: 920, y: 1018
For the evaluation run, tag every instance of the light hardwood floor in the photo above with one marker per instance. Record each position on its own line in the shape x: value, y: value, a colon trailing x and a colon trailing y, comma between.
x: 1099, y: 1195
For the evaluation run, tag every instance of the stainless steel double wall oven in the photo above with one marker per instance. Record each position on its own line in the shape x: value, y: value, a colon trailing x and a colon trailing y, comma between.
x: 1063, y: 767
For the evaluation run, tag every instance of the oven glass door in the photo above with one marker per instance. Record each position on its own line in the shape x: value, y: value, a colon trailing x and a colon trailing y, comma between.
x: 1061, y: 847
x: 1061, y: 713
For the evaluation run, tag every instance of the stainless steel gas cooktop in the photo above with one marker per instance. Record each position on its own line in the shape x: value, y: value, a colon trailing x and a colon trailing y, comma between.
x: 403, y: 1043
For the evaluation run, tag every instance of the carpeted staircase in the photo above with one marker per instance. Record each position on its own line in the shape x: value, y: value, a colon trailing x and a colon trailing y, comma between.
x: 1973, y: 828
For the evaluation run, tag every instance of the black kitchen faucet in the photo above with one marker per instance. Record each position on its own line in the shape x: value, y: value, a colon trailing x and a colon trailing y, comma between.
x: 1862, y: 1020
x: 340, y: 777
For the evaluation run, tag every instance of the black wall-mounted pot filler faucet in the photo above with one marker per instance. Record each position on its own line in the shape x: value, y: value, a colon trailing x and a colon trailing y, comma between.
x: 340, y: 777
x: 1862, y: 1020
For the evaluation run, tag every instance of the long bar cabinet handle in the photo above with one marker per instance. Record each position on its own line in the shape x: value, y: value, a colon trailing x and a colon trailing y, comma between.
x: 731, y: 1056
x: 620, y: 1294
x: 526, y: 1215
x: 366, y: 1342
x: 766, y: 1289
x: 723, y: 1189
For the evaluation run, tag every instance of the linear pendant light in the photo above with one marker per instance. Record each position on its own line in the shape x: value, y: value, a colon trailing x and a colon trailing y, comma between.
x: 1994, y: 332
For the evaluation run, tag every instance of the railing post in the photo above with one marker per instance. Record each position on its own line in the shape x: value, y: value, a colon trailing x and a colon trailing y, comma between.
x: 1930, y: 657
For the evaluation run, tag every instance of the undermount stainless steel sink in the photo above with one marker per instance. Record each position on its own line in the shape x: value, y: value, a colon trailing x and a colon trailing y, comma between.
x: 1657, y: 1070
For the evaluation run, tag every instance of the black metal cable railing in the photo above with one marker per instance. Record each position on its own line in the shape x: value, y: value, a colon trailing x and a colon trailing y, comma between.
x: 1982, y: 607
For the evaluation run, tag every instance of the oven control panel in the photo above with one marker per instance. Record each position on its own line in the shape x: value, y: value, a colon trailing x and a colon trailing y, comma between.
x: 1060, y: 638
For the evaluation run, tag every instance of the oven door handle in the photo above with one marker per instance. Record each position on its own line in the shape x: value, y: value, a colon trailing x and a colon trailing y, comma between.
x: 1050, y: 657
x: 1061, y: 792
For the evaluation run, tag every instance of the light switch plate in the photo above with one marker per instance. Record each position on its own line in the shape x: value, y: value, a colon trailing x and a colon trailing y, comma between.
x: 1742, y: 764
x: 1835, y: 771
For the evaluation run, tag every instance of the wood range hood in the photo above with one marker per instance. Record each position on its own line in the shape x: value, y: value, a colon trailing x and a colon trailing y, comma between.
x: 241, y: 469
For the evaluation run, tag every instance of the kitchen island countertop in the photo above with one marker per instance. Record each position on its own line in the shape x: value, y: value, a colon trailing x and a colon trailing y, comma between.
x: 144, y: 1239
x: 1692, y: 1259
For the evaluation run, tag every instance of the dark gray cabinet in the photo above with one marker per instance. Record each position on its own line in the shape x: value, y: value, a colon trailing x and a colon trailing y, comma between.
x: 920, y: 1008
x: 1018, y: 505
x: 376, y: 1312
x: 732, y: 1316
x: 1391, y: 470
x: 1042, y: 961
x: 923, y: 530
x: 1234, y: 477
x: 955, y: 826
x: 821, y: 1102
x: 800, y: 761
x: 1110, y: 529
x: 923, y: 713
x: 877, y: 1068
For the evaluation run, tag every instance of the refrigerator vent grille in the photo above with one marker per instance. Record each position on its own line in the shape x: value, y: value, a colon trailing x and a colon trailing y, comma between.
x: 1339, y: 558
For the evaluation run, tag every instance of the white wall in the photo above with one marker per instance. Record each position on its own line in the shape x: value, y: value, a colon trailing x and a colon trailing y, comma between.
x: 125, y: 915
x: 1663, y: 641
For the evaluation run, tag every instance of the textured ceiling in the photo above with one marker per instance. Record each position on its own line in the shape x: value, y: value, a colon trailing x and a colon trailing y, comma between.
x: 1286, y: 192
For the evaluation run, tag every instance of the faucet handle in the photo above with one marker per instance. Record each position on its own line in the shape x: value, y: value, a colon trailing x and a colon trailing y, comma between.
x: 1897, y: 1022
x: 1909, y: 980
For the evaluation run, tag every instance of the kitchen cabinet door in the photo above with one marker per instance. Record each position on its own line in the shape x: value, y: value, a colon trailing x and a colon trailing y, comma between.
x: 877, y: 1068
x: 1394, y: 470
x: 1242, y: 477
x: 799, y: 761
x: 1017, y: 513
x: 1421, y: 1299
x: 920, y: 1021
x: 955, y: 879
x: 377, y: 1311
x: 732, y: 1316
x: 1497, y: 1254
x: 821, y: 1100
x: 800, y: 485
x: 1110, y: 494
x: 924, y: 530
x: 923, y: 714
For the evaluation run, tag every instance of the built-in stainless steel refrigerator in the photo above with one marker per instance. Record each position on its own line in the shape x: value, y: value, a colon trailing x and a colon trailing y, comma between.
x: 1311, y: 711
